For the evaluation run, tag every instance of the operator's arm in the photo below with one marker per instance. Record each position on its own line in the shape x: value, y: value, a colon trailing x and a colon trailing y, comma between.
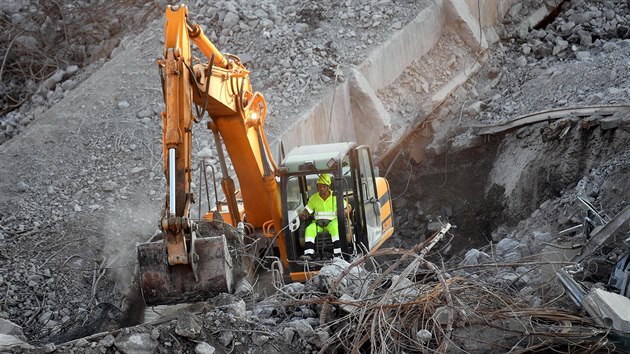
x: 347, y: 208
x: 308, y: 210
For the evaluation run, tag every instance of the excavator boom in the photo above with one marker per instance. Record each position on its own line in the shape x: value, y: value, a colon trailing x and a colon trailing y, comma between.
x: 184, y: 264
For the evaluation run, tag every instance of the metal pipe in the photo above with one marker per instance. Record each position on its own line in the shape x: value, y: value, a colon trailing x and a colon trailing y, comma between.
x: 171, y: 181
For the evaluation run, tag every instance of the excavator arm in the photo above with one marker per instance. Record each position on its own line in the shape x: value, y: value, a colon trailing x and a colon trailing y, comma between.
x: 181, y: 266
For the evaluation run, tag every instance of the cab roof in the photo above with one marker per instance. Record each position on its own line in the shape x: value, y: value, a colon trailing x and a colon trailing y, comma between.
x: 319, y: 154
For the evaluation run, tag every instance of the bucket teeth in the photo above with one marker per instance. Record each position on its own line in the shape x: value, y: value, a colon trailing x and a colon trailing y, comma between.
x: 163, y: 284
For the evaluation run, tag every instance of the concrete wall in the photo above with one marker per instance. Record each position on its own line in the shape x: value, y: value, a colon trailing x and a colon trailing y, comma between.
x: 353, y: 111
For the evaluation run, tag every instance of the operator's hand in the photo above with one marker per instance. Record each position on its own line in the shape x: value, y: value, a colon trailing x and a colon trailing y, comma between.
x: 304, y: 214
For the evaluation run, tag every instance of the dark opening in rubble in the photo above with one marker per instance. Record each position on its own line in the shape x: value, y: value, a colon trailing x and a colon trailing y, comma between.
x: 468, y: 188
x: 447, y: 188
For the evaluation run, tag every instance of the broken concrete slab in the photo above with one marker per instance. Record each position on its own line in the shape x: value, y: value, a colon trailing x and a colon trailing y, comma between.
x: 608, y: 309
x: 8, y: 341
x: 188, y: 325
x: 10, y: 328
x: 136, y: 343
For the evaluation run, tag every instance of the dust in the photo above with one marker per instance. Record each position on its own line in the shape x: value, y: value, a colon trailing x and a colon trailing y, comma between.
x: 139, y: 224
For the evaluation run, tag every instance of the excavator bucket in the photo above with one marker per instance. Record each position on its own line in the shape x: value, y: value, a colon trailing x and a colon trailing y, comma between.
x: 164, y: 284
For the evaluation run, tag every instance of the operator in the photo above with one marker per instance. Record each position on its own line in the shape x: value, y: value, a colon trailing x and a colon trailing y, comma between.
x: 324, y: 205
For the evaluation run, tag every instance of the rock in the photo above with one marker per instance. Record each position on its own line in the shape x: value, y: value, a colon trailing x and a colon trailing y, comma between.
x: 300, y: 327
x: 353, y: 284
x: 267, y: 308
x: 260, y: 339
x: 475, y: 257
x: 243, y: 288
x: 82, y: 343
x: 404, y: 289
x: 108, y: 186
x: 231, y: 19
x: 155, y: 334
x: 424, y: 335
x: 51, y: 82
x: 135, y: 343
x: 319, y: 338
x: 229, y: 304
x: 538, y: 241
x: 521, y: 61
x: 582, y: 56
x: 188, y: 325
x: 10, y: 328
x: 477, y: 107
x: 226, y: 338
x: 347, y: 307
x: 434, y: 226
x: 49, y: 348
x: 542, y: 51
x: 44, y: 317
x: 72, y: 69
x: 204, y: 348
x: 586, y: 38
x: 68, y: 85
x: 122, y: 104
x: 22, y: 187
x: 8, y: 341
x: 609, y: 47
x: 293, y: 288
x: 559, y: 47
x: 506, y: 247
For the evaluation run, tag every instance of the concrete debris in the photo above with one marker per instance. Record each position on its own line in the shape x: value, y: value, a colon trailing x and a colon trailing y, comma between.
x: 188, y: 325
x: 135, y: 343
x: 353, y: 284
x: 204, y: 348
x: 608, y: 309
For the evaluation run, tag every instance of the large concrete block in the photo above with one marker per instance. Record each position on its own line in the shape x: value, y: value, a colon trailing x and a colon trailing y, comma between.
x: 608, y: 309
x: 466, y: 25
x: 371, y: 119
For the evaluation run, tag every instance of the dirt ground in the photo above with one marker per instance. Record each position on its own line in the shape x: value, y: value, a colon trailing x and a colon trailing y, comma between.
x: 82, y: 178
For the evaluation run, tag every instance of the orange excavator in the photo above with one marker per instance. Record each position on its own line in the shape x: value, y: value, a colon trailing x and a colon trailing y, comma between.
x: 183, y: 264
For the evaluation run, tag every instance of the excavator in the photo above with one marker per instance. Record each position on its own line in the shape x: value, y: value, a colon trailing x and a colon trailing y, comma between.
x: 185, y: 264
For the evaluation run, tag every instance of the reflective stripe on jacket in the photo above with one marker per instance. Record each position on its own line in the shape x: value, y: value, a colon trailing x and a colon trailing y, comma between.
x: 323, y: 209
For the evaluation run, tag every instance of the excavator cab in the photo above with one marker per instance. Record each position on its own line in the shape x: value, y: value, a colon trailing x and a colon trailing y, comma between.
x: 354, y: 183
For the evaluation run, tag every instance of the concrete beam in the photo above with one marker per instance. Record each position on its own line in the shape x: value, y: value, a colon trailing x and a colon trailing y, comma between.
x: 460, y: 17
x: 371, y: 119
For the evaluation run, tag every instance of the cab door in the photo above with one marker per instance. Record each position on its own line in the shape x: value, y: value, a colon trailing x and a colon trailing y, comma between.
x: 370, y: 206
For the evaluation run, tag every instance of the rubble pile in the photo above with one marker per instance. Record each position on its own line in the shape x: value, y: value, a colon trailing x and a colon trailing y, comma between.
x: 408, y: 304
x: 578, y: 55
x: 46, y: 45
x: 297, y: 48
